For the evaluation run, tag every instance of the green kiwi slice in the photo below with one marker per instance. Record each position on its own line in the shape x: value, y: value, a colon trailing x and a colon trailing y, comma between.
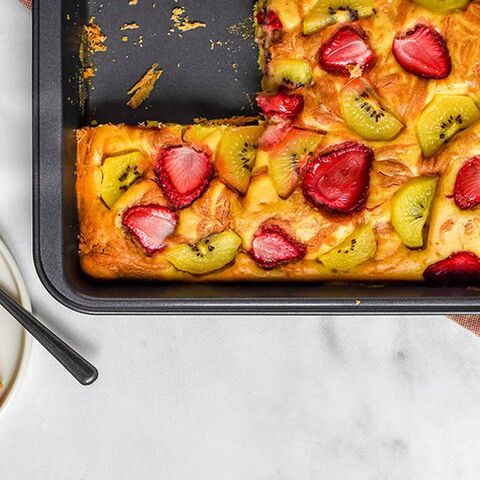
x: 442, y: 119
x: 359, y: 247
x: 118, y: 173
x: 328, y: 12
x: 207, y: 255
x: 365, y: 115
x: 411, y: 208
x: 287, y: 158
x: 291, y: 72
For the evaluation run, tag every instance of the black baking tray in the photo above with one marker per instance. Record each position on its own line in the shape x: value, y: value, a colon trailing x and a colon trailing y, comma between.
x: 208, y: 72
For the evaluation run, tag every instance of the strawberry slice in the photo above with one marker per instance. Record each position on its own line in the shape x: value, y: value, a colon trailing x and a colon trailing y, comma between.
x: 150, y: 225
x: 423, y: 51
x: 274, y: 133
x: 184, y: 174
x: 269, y: 20
x: 283, y: 105
x: 458, y: 268
x: 467, y: 185
x: 338, y: 179
x: 272, y: 246
x: 346, y: 49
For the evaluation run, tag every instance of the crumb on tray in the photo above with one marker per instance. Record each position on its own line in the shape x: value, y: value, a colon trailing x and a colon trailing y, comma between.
x: 182, y: 22
x: 95, y: 37
x: 143, y: 88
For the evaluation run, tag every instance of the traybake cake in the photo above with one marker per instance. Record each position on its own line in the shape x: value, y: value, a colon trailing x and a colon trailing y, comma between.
x: 366, y: 165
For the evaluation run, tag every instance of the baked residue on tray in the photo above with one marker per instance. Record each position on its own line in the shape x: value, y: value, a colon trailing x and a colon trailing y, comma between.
x: 143, y: 88
x: 95, y: 38
x: 129, y: 26
x: 181, y: 21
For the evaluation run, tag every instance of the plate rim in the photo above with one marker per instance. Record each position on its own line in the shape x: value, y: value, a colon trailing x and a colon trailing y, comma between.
x: 27, y: 343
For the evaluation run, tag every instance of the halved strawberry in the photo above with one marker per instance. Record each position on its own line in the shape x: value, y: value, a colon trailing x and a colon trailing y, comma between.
x: 274, y: 133
x: 183, y: 173
x: 423, y: 51
x: 467, y: 185
x: 283, y: 105
x: 150, y: 225
x: 272, y: 246
x: 345, y: 49
x: 338, y: 179
x: 458, y: 268
x: 269, y: 20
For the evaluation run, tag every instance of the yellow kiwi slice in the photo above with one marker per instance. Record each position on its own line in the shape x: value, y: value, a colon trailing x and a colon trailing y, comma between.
x: 118, y: 173
x: 443, y: 6
x: 236, y: 154
x: 328, y: 12
x: 291, y: 72
x: 359, y: 247
x: 411, y: 208
x: 206, y: 255
x: 442, y: 119
x: 366, y: 115
x: 286, y: 159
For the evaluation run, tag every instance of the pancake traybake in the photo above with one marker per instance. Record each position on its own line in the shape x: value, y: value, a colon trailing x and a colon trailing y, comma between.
x: 365, y: 165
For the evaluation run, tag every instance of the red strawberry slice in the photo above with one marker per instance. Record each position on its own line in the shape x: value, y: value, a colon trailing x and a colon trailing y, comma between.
x: 269, y: 20
x: 150, y: 225
x: 272, y: 246
x: 184, y: 173
x: 338, y: 179
x: 345, y: 49
x: 467, y: 186
x: 423, y: 51
x: 283, y: 105
x: 274, y: 133
x: 458, y: 268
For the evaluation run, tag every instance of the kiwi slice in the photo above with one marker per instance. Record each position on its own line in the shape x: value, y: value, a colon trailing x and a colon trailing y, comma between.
x: 118, y: 173
x: 328, y: 12
x: 411, y: 209
x: 442, y: 119
x: 236, y: 154
x: 365, y: 115
x: 206, y: 255
x: 359, y: 247
x: 291, y: 72
x: 287, y: 158
x: 442, y: 6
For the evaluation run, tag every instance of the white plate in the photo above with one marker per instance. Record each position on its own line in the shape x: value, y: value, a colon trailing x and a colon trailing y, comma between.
x: 15, y: 343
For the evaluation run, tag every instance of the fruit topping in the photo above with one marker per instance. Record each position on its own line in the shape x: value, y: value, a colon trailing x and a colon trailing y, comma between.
x: 364, y: 113
x: 291, y: 73
x: 443, y: 6
x: 206, y: 255
x: 236, y: 154
x: 467, y: 185
x: 328, y: 12
x: 345, y: 51
x: 359, y: 247
x: 338, y: 179
x: 422, y: 51
x: 150, y: 225
x: 118, y: 173
x: 274, y: 133
x: 458, y: 268
x: 282, y: 105
x: 184, y: 174
x: 411, y: 209
x: 289, y: 157
x: 442, y: 119
x: 269, y: 20
x: 272, y: 246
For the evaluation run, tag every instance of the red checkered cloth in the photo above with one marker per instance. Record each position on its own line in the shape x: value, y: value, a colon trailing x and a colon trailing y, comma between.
x: 472, y: 322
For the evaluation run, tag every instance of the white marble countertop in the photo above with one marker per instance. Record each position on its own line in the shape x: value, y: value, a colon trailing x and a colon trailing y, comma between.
x: 205, y: 398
